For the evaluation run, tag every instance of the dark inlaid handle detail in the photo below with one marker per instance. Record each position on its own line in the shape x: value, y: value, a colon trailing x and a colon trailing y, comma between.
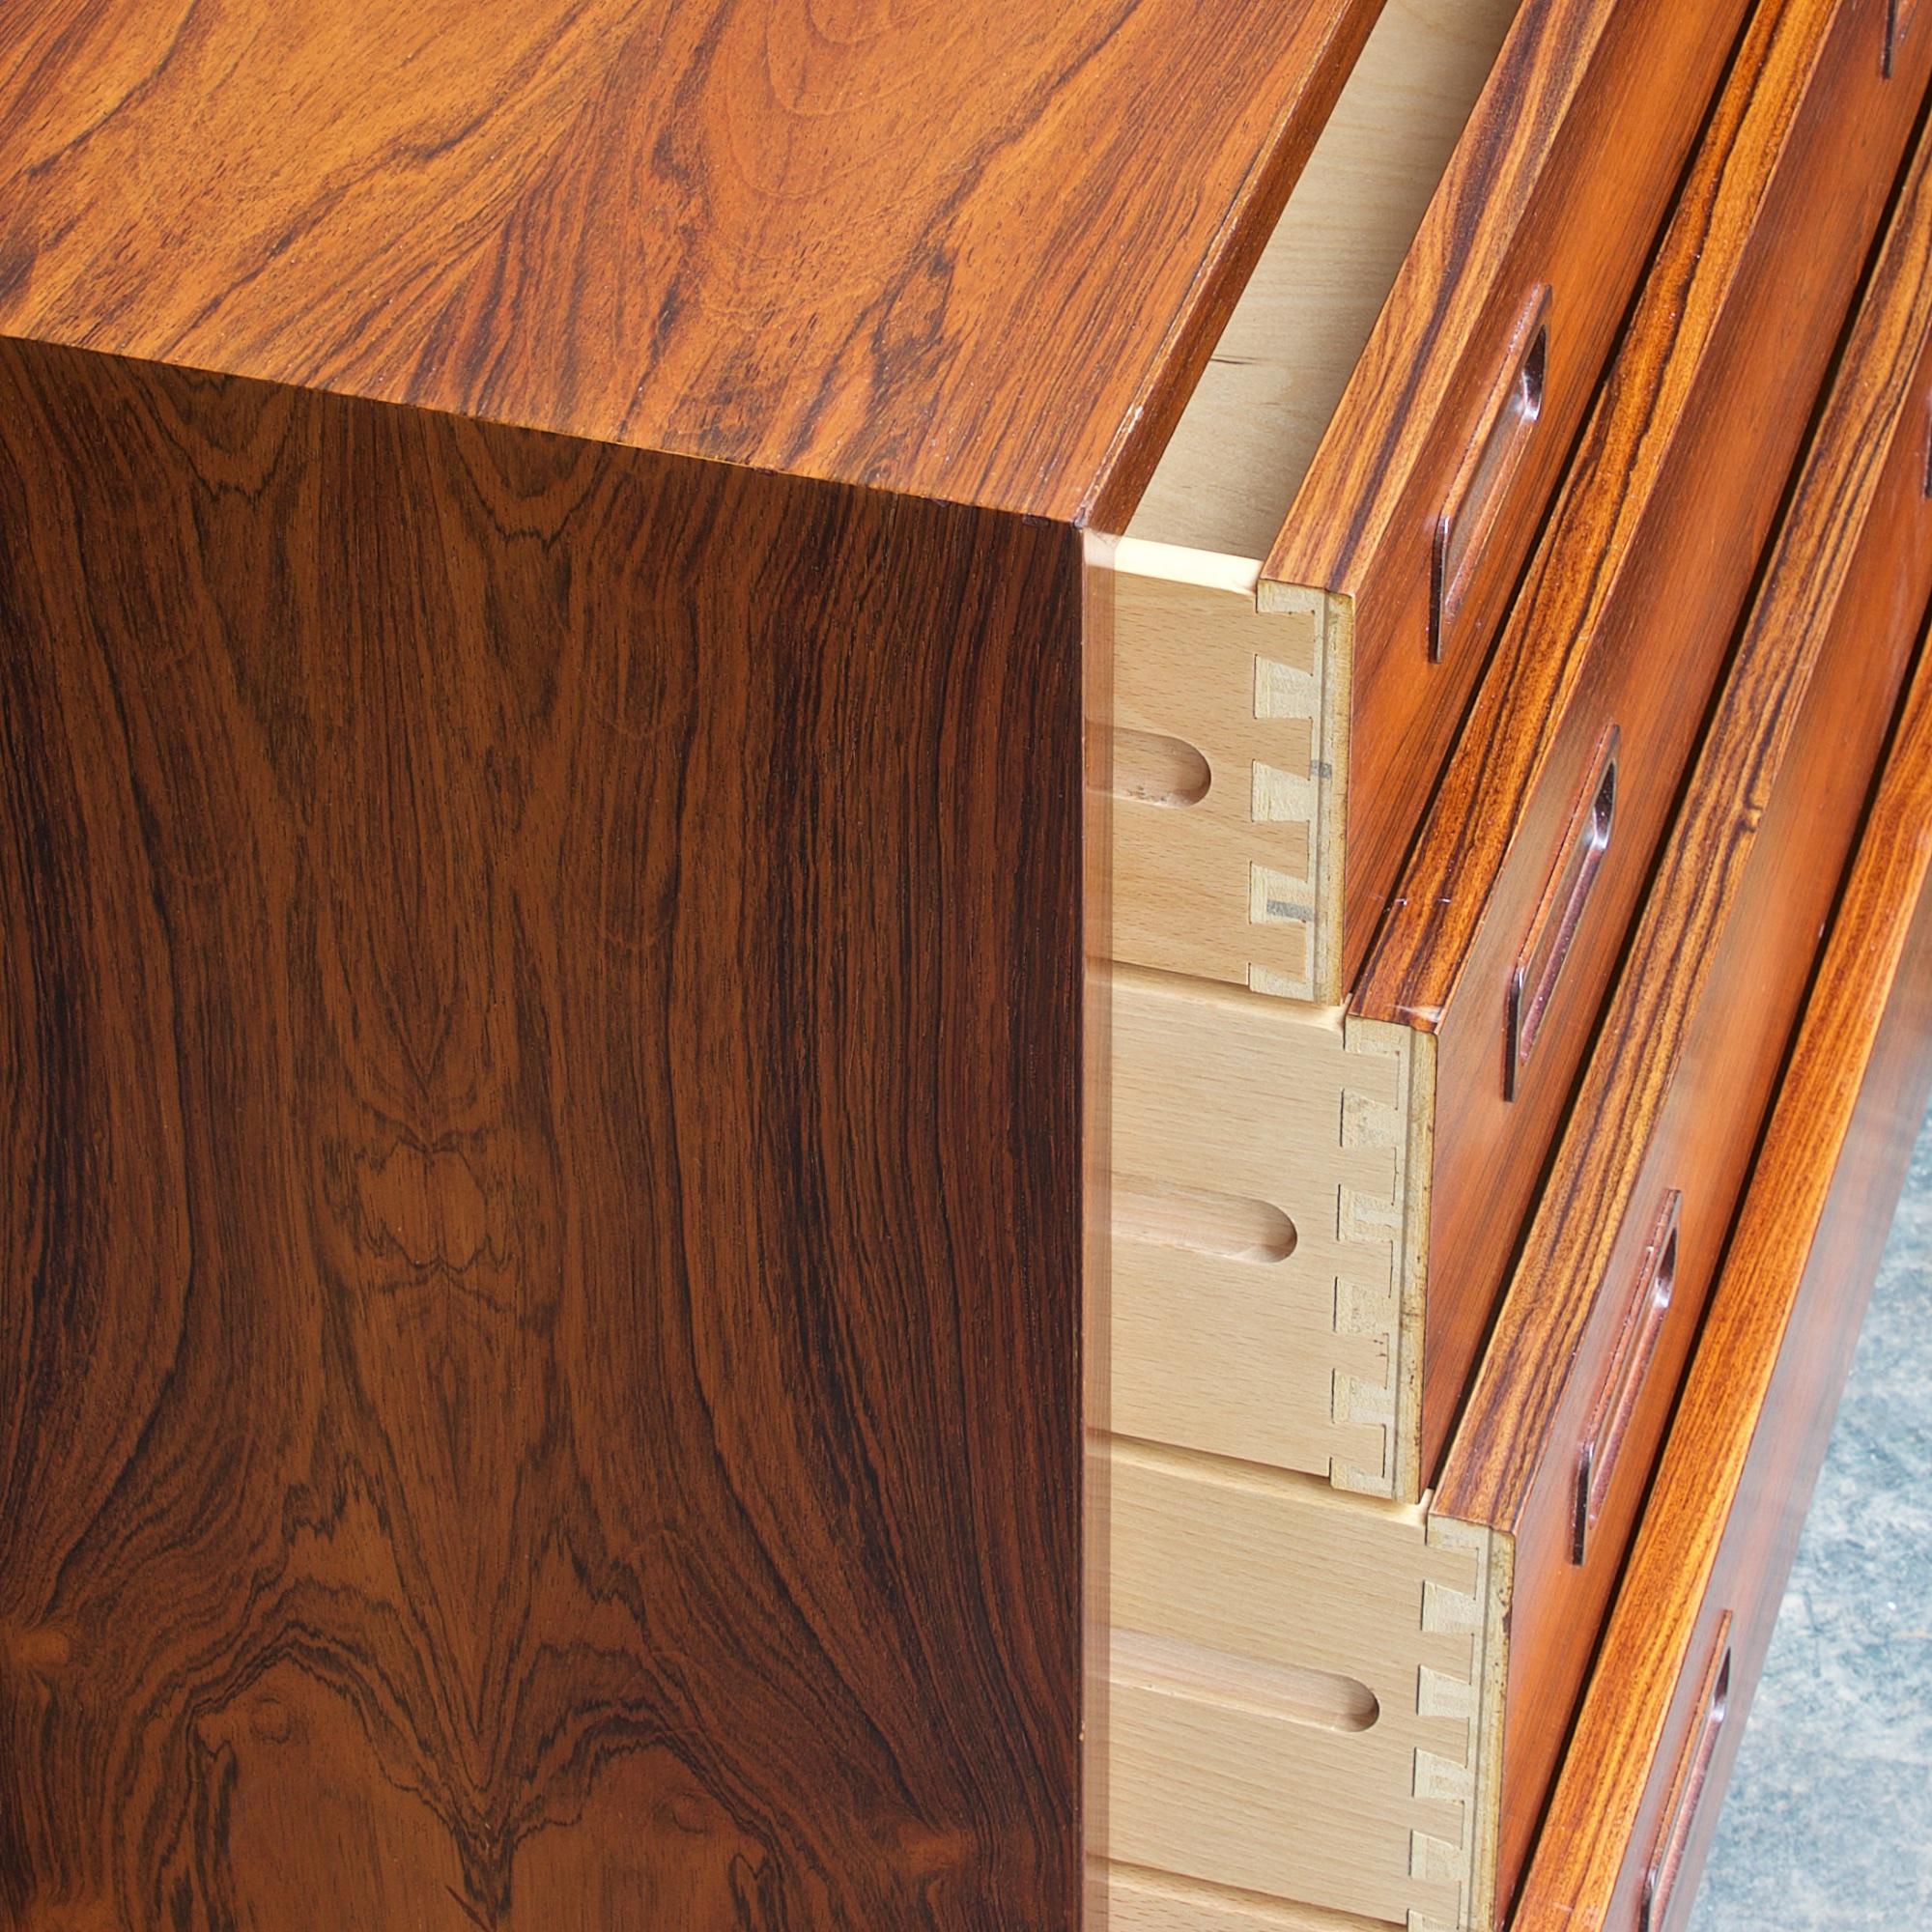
x: 1560, y: 912
x: 1643, y: 1319
x: 1511, y: 411
x: 1687, y: 1787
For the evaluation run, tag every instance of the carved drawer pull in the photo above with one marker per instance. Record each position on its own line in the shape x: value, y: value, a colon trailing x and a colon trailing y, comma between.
x: 1898, y: 18
x: 1687, y: 1788
x: 1623, y: 1377
x: 1510, y: 415
x: 1533, y: 984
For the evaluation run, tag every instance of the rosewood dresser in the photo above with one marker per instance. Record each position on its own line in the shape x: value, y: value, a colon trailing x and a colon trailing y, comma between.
x: 960, y: 965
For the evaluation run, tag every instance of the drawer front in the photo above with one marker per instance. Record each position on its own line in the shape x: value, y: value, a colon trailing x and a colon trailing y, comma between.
x: 1582, y: 1506
x: 1514, y: 909
x: 1240, y: 834
x: 1631, y: 1814
x: 1264, y: 1194
x: 1294, y: 1696
x: 1426, y: 493
x: 1313, y: 1347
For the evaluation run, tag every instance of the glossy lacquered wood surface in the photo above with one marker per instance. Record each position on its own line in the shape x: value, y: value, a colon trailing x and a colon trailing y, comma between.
x: 1560, y: 182
x: 1625, y: 616
x: 541, y: 1203
x: 1696, y: 1031
x: 971, y: 251
x: 1722, y: 1521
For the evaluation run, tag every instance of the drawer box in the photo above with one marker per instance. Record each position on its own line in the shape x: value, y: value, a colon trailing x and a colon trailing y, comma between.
x: 1387, y: 1142
x: 1285, y: 683
x: 1355, y: 1705
x: 1630, y: 1819
x: 1269, y: 1168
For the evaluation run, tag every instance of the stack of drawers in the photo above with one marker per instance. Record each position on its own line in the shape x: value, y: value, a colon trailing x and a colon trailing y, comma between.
x: 1472, y: 855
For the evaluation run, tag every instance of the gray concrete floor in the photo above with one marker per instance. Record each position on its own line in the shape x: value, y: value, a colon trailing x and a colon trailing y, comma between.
x: 1829, y: 1821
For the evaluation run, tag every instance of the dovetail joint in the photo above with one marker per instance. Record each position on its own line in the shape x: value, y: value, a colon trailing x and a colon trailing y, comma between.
x: 1379, y: 1111
x: 1319, y: 697
x: 1463, y: 1867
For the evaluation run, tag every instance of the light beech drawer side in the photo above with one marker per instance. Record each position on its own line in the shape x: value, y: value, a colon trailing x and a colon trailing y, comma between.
x: 1301, y: 1690
x: 1230, y: 754
x: 1270, y: 1164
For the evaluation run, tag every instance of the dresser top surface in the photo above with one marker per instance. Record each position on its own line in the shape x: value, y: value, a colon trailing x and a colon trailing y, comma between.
x: 971, y: 249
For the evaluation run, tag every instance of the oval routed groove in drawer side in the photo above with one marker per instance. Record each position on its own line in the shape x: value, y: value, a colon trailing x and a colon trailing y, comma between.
x: 1707, y: 1572
x: 1155, y: 770
x: 1619, y: 632
x: 1468, y: 176
x: 1235, y: 1225
x: 1172, y: 1666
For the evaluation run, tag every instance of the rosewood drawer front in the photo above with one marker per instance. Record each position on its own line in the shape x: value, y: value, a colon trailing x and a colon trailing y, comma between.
x: 1313, y: 1208
x: 1352, y: 1705
x: 1560, y: 1432
x: 1311, y: 585
x: 1515, y: 903
x: 1630, y: 1822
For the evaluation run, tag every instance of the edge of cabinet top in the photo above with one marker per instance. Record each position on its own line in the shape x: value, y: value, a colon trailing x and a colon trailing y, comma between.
x: 953, y: 248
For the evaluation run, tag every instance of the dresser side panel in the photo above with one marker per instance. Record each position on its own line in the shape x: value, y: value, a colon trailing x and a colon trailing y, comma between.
x: 540, y: 1072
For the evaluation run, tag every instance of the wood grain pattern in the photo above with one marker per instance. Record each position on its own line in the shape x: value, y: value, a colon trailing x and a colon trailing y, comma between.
x: 1694, y: 1034
x: 1723, y: 1521
x: 539, y: 1381
x: 1561, y: 180
x: 970, y: 251
x: 1223, y: 776
x: 1625, y: 616
x: 1096, y: 1315
x: 1555, y: 189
